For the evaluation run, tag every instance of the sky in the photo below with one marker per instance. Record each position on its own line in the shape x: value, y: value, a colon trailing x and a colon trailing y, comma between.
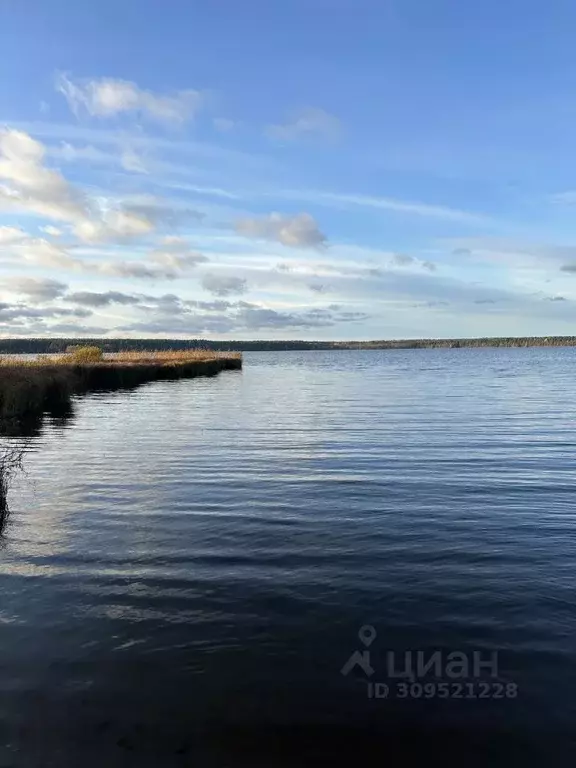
x: 296, y: 169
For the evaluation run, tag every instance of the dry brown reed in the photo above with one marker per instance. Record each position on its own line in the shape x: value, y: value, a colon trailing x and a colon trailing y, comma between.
x: 29, y: 388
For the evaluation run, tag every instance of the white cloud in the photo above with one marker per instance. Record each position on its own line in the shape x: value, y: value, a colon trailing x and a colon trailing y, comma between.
x: 107, y: 97
x: 41, y: 252
x: 132, y: 269
x: 22, y: 312
x: 134, y: 219
x: 96, y: 300
x: 262, y: 318
x: 115, y: 225
x: 300, y: 231
x: 52, y: 231
x: 175, y: 253
x: 223, y: 285
x: 33, y: 187
x: 170, y: 314
x: 10, y: 235
x: 169, y: 262
x: 37, y: 289
x: 307, y: 122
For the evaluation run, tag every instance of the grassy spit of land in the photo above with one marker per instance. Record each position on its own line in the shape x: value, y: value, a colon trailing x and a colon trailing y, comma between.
x: 29, y: 388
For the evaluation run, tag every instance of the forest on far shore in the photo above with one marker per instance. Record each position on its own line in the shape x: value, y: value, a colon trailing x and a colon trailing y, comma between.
x: 47, y: 345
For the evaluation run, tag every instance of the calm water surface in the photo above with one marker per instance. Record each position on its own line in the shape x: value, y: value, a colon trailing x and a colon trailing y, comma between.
x: 188, y: 565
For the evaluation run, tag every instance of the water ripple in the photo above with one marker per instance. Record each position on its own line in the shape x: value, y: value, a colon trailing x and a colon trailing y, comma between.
x: 204, y: 552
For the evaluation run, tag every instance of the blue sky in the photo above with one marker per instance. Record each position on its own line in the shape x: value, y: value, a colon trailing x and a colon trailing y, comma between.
x: 324, y: 169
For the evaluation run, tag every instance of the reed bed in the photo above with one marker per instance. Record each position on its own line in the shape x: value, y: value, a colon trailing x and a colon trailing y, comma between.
x: 171, y: 357
x: 160, y: 357
x: 30, y: 388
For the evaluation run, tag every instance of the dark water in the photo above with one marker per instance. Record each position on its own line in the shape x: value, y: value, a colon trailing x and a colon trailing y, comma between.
x: 188, y: 566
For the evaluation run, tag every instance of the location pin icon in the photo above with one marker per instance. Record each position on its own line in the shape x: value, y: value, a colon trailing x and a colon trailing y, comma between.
x: 367, y: 634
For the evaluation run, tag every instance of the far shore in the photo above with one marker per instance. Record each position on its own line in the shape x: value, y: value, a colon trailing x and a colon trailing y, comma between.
x: 43, y: 346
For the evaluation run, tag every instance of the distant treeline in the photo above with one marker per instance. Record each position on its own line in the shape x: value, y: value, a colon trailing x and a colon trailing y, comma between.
x: 41, y: 346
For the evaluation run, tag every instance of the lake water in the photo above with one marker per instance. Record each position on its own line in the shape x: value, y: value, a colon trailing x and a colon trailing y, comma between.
x: 188, y: 567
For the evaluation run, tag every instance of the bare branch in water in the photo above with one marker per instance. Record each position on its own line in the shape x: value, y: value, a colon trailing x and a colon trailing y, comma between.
x: 11, y: 462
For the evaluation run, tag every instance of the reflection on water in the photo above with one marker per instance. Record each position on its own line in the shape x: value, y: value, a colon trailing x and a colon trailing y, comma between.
x: 30, y: 424
x: 188, y: 566
x: 14, y: 438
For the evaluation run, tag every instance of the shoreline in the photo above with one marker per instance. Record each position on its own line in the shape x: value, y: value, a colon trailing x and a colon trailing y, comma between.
x: 32, y: 389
